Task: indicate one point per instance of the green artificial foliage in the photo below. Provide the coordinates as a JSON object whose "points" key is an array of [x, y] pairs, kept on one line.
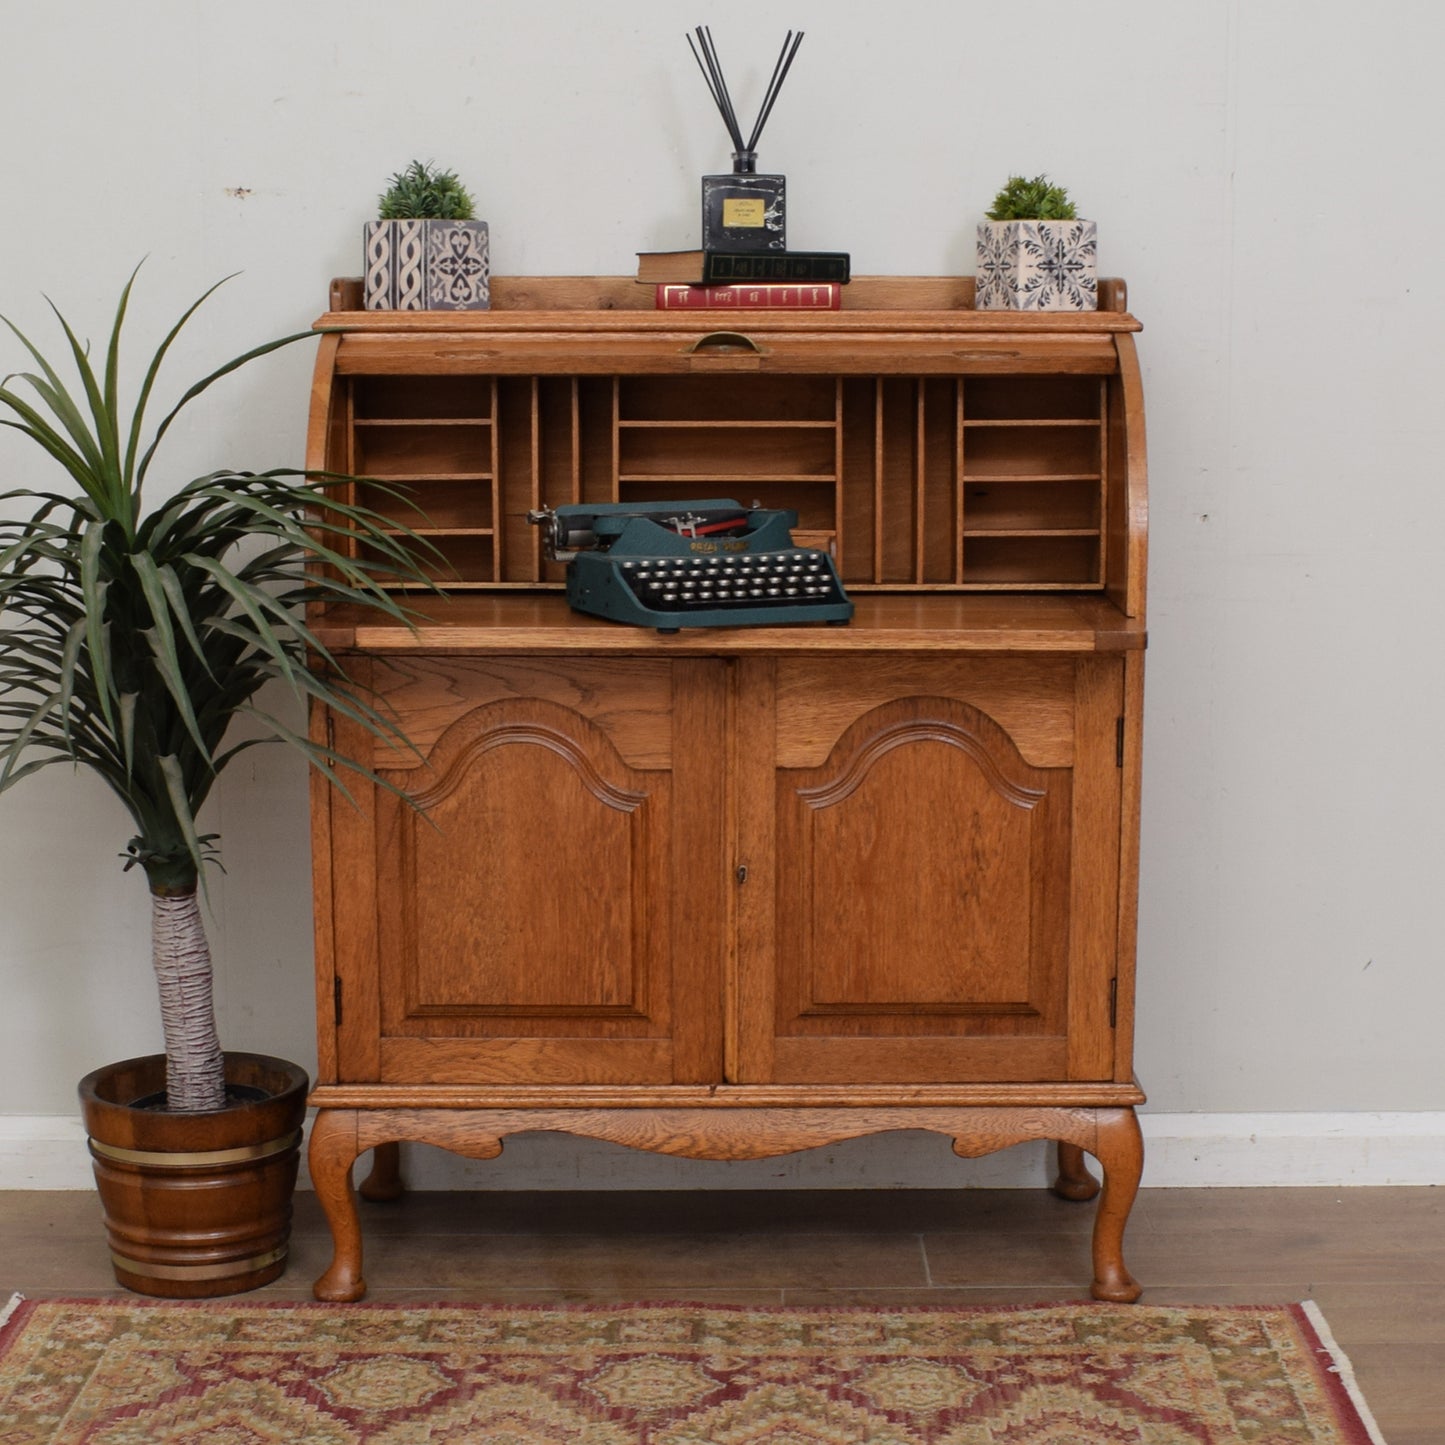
{"points": [[422, 191], [137, 630], [1032, 199], [135, 635]]}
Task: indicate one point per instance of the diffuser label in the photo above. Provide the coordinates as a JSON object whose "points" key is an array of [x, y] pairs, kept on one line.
{"points": [[744, 211]]}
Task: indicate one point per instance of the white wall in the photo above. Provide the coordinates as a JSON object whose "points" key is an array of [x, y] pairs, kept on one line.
{"points": [[1261, 174]]}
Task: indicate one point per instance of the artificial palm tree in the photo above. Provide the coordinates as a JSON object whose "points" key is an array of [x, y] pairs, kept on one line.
{"points": [[132, 636]]}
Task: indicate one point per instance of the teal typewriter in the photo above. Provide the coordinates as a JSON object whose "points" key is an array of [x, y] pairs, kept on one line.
{"points": [[671, 565]]}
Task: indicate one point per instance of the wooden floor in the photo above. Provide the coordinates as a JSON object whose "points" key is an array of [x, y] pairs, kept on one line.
{"points": [[1373, 1259]]}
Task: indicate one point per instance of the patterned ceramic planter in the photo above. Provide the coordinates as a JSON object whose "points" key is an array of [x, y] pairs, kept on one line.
{"points": [[427, 265], [1037, 266]]}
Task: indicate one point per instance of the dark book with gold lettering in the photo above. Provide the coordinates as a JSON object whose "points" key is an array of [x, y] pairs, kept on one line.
{"points": [[716, 268]]}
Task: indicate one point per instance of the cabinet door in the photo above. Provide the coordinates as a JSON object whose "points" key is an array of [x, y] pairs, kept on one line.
{"points": [[933, 854], [555, 912]]}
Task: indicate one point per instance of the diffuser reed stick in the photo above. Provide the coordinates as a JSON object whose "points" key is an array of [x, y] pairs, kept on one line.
{"points": [[708, 61], [780, 74]]}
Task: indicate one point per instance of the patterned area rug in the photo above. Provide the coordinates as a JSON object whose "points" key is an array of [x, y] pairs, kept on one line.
{"points": [[122, 1372]]}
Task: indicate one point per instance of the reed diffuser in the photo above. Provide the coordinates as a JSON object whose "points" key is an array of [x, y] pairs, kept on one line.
{"points": [[743, 211]]}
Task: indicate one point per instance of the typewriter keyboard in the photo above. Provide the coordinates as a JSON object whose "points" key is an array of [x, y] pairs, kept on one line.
{"points": [[733, 580]]}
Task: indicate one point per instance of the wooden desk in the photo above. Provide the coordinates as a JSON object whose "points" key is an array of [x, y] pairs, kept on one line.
{"points": [[732, 893]]}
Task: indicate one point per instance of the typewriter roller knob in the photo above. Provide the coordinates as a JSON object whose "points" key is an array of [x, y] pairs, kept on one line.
{"points": [[559, 541]]}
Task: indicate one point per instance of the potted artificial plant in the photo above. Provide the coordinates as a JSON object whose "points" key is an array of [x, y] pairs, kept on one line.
{"points": [[1034, 254], [426, 252], [136, 632]]}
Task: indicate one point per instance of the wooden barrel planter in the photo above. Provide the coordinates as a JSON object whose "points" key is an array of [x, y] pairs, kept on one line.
{"points": [[196, 1204]]}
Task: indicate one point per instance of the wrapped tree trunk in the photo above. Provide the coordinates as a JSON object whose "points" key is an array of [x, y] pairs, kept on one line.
{"points": [[195, 1077]]}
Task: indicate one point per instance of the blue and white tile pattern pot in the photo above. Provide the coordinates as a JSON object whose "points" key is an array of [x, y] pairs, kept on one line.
{"points": [[427, 265], [1037, 266]]}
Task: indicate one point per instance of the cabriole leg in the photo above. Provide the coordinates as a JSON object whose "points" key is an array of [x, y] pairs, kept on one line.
{"points": [[1074, 1180], [334, 1148], [384, 1183], [1119, 1148]]}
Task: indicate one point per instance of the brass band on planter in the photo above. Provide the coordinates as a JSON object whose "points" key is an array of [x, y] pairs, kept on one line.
{"points": [[166, 1160], [223, 1270]]}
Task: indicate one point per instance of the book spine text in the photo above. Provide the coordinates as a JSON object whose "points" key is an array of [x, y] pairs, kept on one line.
{"points": [[822, 296], [721, 267]]}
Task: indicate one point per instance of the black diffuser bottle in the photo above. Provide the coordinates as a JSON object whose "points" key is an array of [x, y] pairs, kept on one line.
{"points": [[743, 211]]}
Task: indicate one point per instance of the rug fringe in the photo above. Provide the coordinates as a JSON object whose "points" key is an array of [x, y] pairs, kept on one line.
{"points": [[1341, 1366], [16, 1300]]}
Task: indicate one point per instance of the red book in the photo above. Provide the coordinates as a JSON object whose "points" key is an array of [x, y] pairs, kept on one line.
{"points": [[757, 296]]}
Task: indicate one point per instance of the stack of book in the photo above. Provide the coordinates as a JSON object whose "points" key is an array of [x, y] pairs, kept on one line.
{"points": [[734, 280]]}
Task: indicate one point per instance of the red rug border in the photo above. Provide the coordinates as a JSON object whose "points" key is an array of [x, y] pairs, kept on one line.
{"points": [[1336, 1374], [241, 1301], [21, 1306]]}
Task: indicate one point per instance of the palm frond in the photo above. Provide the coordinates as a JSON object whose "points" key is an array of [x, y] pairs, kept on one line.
{"points": [[94, 587], [112, 365], [100, 438], [134, 638], [206, 382], [51, 389], [137, 421], [34, 425]]}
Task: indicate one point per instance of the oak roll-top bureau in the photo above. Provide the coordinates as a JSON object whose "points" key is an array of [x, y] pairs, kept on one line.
{"points": [[736, 892]]}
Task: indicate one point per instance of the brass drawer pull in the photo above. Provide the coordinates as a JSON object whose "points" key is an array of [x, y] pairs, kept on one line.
{"points": [[724, 341]]}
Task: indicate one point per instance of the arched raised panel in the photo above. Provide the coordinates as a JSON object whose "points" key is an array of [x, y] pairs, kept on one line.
{"points": [[533, 880], [454, 766], [911, 873]]}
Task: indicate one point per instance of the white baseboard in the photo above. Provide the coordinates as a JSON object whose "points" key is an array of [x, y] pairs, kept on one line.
{"points": [[43, 1151], [1181, 1151]]}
